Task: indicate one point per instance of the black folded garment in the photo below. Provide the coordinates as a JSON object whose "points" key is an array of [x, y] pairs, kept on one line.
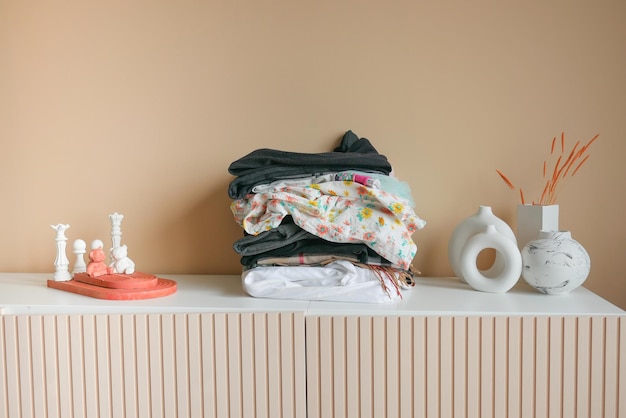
{"points": [[265, 165], [318, 246], [283, 235]]}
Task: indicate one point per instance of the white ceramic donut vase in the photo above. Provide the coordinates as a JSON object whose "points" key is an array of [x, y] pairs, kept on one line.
{"points": [[492, 281], [471, 226], [555, 263]]}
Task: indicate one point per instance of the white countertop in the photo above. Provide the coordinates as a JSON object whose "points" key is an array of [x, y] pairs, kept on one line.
{"points": [[28, 293]]}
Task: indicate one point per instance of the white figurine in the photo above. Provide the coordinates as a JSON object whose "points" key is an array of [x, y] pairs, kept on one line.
{"points": [[121, 263], [61, 263], [79, 248]]}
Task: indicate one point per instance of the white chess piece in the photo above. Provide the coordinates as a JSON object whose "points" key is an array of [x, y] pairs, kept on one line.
{"points": [[79, 248], [116, 230], [61, 263]]}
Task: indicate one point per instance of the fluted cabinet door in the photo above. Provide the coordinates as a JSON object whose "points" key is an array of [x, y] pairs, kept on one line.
{"points": [[153, 365], [466, 366]]}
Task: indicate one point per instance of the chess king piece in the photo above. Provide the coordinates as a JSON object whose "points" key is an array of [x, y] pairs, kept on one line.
{"points": [[116, 230], [61, 263], [121, 263], [79, 248], [96, 266]]}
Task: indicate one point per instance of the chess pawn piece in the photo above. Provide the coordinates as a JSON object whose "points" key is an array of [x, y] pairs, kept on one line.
{"points": [[122, 264], [79, 248], [61, 263], [96, 266]]}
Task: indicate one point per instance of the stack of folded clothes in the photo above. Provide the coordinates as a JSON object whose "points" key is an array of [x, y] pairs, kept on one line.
{"points": [[331, 226]]}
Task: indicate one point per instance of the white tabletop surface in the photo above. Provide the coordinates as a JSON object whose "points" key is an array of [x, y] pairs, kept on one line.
{"points": [[28, 293]]}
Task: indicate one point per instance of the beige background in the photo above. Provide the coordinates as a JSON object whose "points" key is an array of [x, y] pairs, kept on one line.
{"points": [[140, 106]]}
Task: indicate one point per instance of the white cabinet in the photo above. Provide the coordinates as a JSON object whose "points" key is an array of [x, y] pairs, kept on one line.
{"points": [[448, 351], [206, 351], [209, 350]]}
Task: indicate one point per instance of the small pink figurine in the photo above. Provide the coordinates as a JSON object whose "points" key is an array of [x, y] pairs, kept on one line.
{"points": [[97, 266]]}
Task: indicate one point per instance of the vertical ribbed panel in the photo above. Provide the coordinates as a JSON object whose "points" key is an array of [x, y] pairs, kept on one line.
{"points": [[253, 365], [185, 365], [466, 366]]}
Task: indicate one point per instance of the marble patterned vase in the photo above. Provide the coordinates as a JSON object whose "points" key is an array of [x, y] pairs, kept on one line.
{"points": [[555, 263]]}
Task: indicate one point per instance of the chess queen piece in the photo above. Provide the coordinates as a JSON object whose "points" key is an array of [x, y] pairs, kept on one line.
{"points": [[79, 248], [61, 263]]}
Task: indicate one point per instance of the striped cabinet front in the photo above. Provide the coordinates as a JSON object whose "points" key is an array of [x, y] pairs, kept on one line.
{"points": [[449, 366], [153, 365]]}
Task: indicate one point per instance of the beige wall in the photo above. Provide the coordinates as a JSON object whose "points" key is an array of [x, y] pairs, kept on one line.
{"points": [[139, 107]]}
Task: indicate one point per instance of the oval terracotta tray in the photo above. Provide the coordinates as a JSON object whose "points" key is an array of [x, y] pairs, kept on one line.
{"points": [[114, 287], [137, 280]]}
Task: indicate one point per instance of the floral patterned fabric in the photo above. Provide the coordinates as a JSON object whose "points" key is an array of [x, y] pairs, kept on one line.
{"points": [[338, 211]]}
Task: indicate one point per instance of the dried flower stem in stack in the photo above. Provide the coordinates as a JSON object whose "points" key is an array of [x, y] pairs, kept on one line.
{"points": [[575, 158]]}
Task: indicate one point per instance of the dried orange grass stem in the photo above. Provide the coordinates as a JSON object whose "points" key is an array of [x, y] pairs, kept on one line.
{"points": [[506, 180], [580, 165], [575, 158]]}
